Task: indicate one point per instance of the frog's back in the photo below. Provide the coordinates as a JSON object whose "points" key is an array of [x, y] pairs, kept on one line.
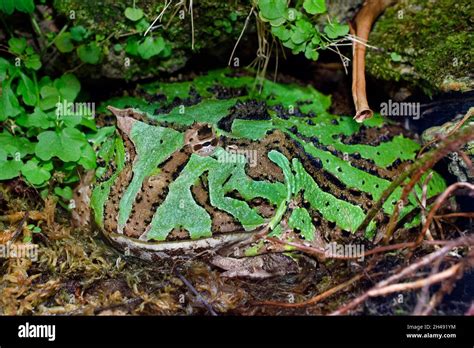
{"points": [[207, 160]]}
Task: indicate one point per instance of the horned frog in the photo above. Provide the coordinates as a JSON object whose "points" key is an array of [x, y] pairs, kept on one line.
{"points": [[211, 166]]}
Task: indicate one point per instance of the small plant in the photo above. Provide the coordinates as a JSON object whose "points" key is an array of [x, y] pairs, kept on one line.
{"points": [[295, 26], [45, 137]]}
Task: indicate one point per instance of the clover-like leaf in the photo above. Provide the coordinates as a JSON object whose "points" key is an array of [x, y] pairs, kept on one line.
{"points": [[134, 14], [90, 53], [272, 9], [37, 119], [34, 173], [33, 62], [10, 169], [7, 6], [311, 53], [314, 6], [68, 86], [17, 45], [151, 47], [335, 30], [281, 32], [65, 193], [26, 6], [78, 33], [49, 97], [66, 145], [395, 57], [64, 42]]}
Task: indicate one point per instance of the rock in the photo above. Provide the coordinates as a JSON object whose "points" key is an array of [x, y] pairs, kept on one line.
{"points": [[217, 25], [456, 163], [425, 43]]}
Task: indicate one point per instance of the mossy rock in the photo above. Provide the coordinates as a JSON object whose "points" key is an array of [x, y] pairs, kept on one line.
{"points": [[215, 23], [425, 43]]}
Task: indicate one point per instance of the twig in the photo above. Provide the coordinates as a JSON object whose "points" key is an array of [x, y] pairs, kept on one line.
{"points": [[361, 28], [436, 278], [317, 298], [241, 34], [196, 293], [438, 203], [425, 162], [426, 260]]}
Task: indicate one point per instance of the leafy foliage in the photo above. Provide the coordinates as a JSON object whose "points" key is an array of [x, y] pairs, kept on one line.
{"points": [[43, 138], [9, 6], [294, 26]]}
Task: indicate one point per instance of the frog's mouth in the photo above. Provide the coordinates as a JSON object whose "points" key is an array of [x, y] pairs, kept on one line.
{"points": [[148, 250]]}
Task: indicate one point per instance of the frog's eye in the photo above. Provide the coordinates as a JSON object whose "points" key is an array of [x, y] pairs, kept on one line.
{"points": [[202, 139], [205, 132]]}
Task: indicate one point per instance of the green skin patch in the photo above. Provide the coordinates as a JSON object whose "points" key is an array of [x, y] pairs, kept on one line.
{"points": [[155, 144]]}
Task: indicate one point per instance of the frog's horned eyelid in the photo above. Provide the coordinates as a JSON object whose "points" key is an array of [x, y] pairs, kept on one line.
{"points": [[125, 124], [118, 112]]}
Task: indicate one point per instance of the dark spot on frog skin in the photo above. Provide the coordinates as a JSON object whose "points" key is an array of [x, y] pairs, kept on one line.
{"points": [[244, 110], [222, 92]]}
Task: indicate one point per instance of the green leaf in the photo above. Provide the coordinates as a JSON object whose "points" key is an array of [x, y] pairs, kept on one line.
{"points": [[65, 145], [49, 97], [33, 62], [134, 14], [27, 6], [7, 6], [272, 9], [64, 42], [27, 89], [395, 57], [8, 101], [88, 158], [90, 53], [78, 33], [14, 145], [335, 30], [311, 53], [68, 86], [17, 45], [281, 32], [38, 119], [34, 173], [142, 25], [151, 47], [10, 169], [4, 67], [132, 46], [65, 193], [314, 6]]}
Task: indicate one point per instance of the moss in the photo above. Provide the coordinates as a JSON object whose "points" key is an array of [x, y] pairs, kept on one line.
{"points": [[434, 40], [215, 23]]}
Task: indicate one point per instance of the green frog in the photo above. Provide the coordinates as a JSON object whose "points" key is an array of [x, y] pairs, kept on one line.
{"points": [[219, 166]]}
